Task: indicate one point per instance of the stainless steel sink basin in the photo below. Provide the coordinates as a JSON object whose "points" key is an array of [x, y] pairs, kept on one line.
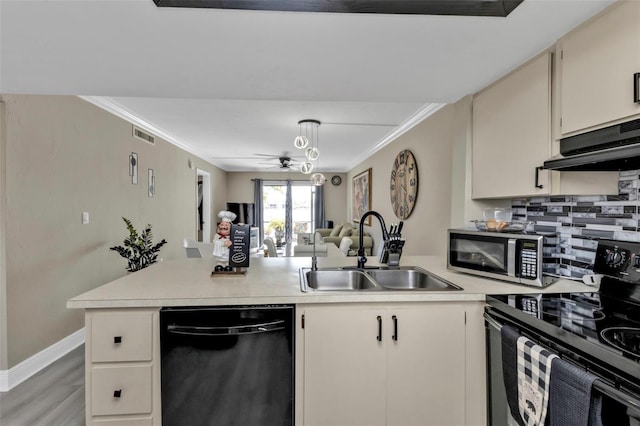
{"points": [[336, 280], [376, 279], [410, 279]]}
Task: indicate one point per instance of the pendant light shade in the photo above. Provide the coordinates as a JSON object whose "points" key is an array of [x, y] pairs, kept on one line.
{"points": [[301, 142], [306, 167], [318, 179], [312, 153]]}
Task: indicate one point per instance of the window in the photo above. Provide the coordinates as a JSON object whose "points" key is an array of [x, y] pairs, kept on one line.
{"points": [[275, 209]]}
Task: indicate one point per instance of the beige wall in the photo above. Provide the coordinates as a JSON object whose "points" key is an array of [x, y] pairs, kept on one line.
{"points": [[431, 144], [441, 145], [65, 156], [240, 190]]}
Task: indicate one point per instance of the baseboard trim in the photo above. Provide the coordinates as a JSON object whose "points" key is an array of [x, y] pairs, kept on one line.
{"points": [[14, 376]]}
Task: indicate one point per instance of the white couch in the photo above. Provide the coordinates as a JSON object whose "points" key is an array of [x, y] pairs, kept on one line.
{"points": [[322, 250]]}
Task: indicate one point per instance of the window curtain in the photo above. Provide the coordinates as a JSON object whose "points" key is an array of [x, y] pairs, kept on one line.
{"points": [[258, 210], [318, 210], [288, 225]]}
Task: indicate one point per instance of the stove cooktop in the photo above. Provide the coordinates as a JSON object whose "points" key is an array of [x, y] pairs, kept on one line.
{"points": [[589, 316]]}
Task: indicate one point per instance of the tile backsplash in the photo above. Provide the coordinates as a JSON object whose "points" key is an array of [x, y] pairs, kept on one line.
{"points": [[580, 221]]}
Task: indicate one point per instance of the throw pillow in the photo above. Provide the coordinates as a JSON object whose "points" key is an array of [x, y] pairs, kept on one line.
{"points": [[335, 231], [345, 232]]}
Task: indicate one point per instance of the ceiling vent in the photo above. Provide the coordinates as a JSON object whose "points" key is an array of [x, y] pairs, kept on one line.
{"points": [[138, 133]]}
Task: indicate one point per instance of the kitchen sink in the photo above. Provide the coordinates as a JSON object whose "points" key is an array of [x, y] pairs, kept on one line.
{"points": [[410, 279], [336, 280], [372, 279]]}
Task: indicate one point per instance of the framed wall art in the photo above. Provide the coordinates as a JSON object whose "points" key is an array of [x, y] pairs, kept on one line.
{"points": [[151, 183], [133, 167], [361, 192]]}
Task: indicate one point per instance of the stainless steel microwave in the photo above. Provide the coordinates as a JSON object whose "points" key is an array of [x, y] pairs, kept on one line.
{"points": [[516, 258]]}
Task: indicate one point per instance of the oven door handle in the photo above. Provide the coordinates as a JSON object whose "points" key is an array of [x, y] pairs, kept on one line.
{"points": [[492, 322], [616, 394]]}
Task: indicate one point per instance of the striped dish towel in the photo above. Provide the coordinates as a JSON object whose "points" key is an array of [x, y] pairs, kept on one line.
{"points": [[534, 369]]}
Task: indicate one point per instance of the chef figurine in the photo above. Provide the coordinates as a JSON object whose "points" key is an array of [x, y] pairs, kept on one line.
{"points": [[222, 240]]}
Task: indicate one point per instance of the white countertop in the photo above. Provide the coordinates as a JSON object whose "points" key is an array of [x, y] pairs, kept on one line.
{"points": [[188, 282]]}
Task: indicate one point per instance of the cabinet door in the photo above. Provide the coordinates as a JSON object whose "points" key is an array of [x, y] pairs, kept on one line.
{"points": [[512, 133], [598, 62], [344, 366], [426, 365]]}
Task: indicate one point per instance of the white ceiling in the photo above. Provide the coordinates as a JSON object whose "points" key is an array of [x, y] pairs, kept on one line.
{"points": [[229, 84]]}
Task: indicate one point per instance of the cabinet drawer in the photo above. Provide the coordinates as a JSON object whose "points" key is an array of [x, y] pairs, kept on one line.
{"points": [[121, 390], [121, 337]]}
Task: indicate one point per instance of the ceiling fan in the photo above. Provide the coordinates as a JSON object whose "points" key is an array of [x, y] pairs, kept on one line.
{"points": [[284, 163]]}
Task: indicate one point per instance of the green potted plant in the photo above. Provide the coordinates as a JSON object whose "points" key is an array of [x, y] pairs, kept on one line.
{"points": [[277, 226], [138, 249]]}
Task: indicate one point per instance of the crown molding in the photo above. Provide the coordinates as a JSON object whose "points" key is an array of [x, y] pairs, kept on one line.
{"points": [[113, 107]]}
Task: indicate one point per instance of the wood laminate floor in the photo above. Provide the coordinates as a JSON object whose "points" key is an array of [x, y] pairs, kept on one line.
{"points": [[52, 397]]}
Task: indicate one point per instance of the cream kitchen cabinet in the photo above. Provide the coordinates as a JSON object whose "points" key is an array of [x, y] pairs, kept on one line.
{"points": [[512, 139], [122, 353], [377, 364], [598, 61], [512, 133]]}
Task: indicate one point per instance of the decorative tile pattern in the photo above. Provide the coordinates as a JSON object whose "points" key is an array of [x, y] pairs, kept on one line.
{"points": [[580, 221]]}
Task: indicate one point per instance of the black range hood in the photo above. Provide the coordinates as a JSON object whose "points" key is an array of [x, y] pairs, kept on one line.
{"points": [[612, 148]]}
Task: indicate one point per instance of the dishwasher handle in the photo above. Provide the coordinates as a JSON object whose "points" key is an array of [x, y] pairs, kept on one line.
{"points": [[232, 330]]}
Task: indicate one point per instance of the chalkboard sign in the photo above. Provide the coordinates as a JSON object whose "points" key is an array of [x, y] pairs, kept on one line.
{"points": [[240, 242]]}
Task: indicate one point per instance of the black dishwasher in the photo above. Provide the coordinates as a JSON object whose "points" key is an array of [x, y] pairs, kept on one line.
{"points": [[227, 365]]}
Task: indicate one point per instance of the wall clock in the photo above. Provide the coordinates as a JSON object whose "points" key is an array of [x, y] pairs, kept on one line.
{"points": [[403, 186], [336, 180]]}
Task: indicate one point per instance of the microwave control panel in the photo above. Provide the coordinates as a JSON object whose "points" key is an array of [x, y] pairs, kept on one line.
{"points": [[528, 259]]}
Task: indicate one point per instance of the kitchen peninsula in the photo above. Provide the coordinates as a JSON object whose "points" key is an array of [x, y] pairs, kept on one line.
{"points": [[438, 342]]}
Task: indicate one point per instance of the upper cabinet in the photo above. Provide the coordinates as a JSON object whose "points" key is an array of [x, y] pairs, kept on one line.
{"points": [[598, 65], [512, 133]]}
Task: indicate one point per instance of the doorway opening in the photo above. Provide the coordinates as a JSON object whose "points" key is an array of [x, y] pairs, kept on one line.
{"points": [[203, 206]]}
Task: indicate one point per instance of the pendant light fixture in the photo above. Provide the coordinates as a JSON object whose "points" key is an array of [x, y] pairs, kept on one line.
{"points": [[307, 139]]}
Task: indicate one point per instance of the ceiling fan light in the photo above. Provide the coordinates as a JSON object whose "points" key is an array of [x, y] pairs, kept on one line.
{"points": [[318, 179], [306, 167], [312, 153], [301, 142]]}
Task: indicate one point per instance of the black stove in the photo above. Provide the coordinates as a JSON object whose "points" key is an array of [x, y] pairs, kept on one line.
{"points": [[599, 329]]}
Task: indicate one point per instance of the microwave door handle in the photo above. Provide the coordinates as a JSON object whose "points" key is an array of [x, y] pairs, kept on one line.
{"points": [[511, 258]]}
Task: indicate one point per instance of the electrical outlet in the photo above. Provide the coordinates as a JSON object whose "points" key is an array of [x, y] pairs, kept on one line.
{"points": [[85, 218]]}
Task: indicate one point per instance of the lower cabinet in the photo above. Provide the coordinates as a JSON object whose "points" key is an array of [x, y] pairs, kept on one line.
{"points": [[385, 364], [122, 367], [418, 363]]}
